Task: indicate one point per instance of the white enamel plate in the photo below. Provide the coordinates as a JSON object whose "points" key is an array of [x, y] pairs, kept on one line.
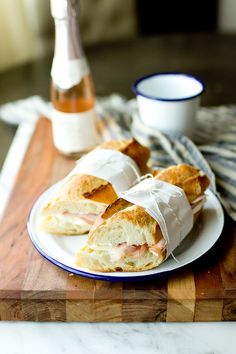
{"points": [[60, 250]]}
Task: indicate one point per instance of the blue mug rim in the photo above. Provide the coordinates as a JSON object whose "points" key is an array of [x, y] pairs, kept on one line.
{"points": [[142, 78]]}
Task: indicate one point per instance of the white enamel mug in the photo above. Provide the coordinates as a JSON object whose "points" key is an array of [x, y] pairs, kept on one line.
{"points": [[169, 101]]}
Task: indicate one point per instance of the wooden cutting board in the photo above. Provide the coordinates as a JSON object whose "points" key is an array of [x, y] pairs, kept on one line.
{"points": [[33, 289]]}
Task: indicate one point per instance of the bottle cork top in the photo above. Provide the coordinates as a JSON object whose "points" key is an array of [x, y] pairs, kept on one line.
{"points": [[64, 8]]}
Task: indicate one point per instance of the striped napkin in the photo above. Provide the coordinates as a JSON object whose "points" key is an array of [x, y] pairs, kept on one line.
{"points": [[214, 150]]}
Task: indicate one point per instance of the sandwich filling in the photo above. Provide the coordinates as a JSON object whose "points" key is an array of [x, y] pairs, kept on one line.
{"points": [[82, 218], [73, 220], [123, 249]]}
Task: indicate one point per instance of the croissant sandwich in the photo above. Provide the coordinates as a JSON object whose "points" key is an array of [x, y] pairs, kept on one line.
{"points": [[84, 195], [127, 238]]}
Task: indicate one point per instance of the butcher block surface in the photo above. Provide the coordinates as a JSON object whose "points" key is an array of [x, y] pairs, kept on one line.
{"points": [[33, 289]]}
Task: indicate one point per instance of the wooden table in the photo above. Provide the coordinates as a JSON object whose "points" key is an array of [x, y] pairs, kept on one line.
{"points": [[33, 289]]}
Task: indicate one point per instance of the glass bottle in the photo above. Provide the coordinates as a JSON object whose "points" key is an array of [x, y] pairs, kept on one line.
{"points": [[72, 89]]}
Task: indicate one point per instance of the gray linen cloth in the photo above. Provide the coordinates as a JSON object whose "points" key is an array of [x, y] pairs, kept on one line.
{"points": [[214, 150]]}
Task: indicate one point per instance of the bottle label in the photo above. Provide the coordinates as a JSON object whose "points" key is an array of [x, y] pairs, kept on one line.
{"points": [[74, 132], [68, 73]]}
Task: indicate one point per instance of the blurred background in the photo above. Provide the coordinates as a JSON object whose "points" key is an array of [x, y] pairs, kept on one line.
{"points": [[27, 29]]}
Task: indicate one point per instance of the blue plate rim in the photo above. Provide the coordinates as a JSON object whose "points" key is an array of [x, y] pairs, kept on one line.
{"points": [[105, 277], [85, 274]]}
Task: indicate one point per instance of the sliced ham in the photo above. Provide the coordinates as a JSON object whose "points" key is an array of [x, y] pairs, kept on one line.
{"points": [[136, 251], [198, 203], [117, 253], [198, 199], [158, 248], [133, 251], [88, 218]]}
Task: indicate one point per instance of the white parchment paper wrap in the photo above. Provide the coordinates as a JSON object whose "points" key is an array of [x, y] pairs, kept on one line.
{"points": [[167, 204], [111, 165]]}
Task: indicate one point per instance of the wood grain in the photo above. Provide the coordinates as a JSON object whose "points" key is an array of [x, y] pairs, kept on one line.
{"points": [[181, 296], [33, 289]]}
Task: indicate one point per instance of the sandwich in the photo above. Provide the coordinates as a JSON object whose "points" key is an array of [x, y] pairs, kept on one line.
{"points": [[127, 238], [84, 194]]}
